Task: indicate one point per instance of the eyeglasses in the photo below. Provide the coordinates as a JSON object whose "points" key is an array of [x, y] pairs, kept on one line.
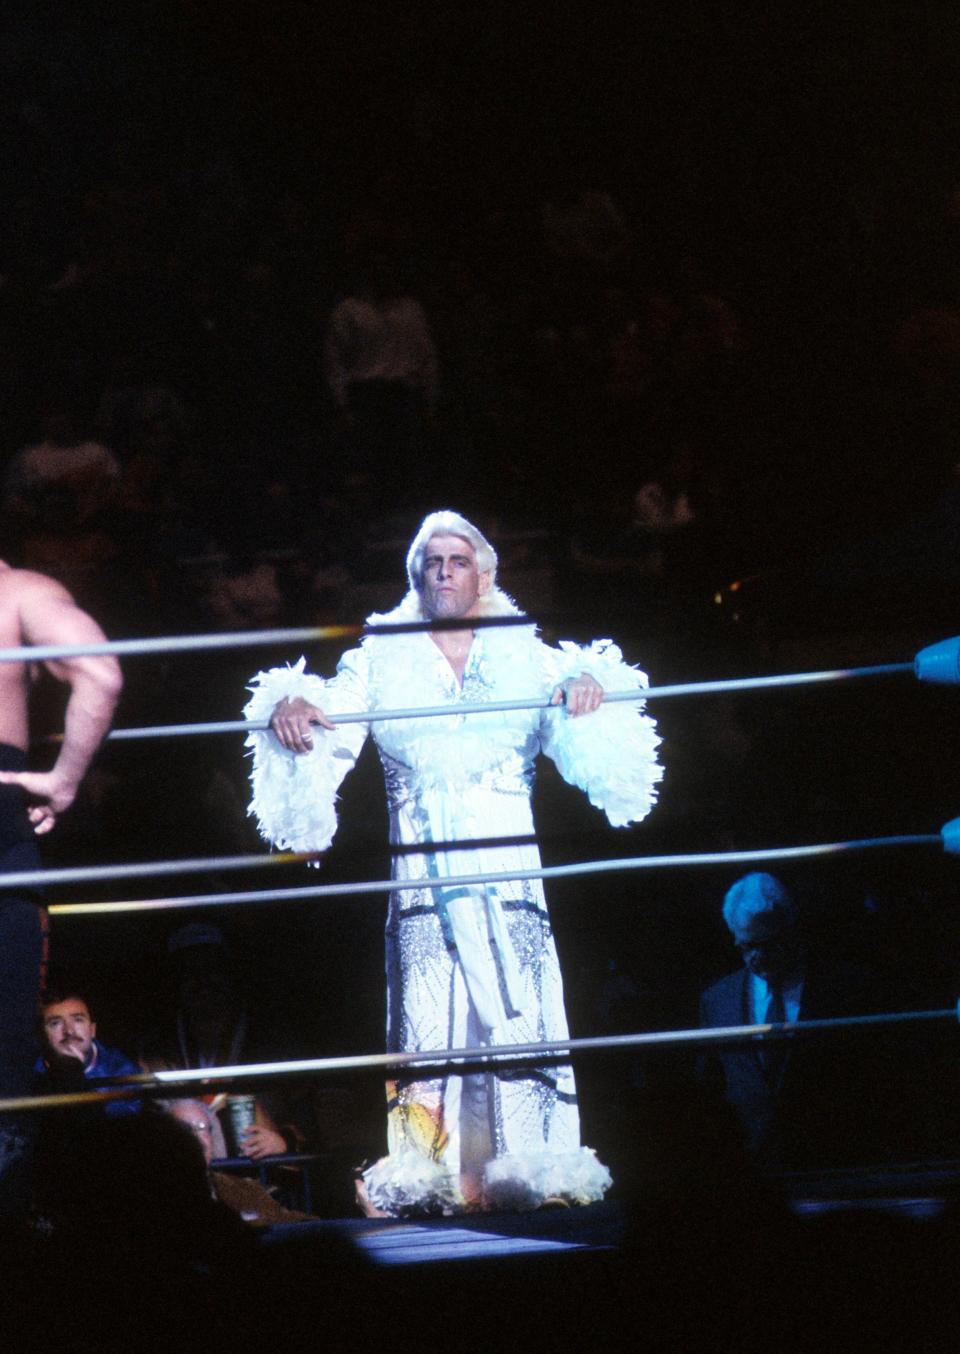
{"points": [[765, 946]]}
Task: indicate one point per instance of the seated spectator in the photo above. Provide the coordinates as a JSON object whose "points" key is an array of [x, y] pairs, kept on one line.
{"points": [[139, 413], [245, 594], [800, 1103], [586, 224], [154, 1260], [646, 550], [56, 499], [381, 371], [63, 462], [209, 1025], [126, 1210], [245, 1196], [72, 1054]]}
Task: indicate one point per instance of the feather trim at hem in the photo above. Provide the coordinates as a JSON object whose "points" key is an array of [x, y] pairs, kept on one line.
{"points": [[526, 1180], [408, 1183]]}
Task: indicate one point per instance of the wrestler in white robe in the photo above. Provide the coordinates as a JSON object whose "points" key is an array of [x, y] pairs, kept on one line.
{"points": [[466, 965]]}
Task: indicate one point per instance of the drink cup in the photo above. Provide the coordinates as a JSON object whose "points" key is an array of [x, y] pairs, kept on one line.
{"points": [[241, 1115]]}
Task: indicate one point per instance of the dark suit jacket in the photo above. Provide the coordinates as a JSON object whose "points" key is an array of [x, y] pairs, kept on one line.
{"points": [[808, 1103]]}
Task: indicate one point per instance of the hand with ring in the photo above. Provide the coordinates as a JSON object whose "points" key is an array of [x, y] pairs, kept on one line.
{"points": [[292, 722], [581, 695]]}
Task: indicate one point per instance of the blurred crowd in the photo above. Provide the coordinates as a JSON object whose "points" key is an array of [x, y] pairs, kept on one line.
{"points": [[230, 398], [232, 405]]}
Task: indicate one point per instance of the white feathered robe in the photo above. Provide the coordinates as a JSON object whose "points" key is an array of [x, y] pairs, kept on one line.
{"points": [[466, 965]]}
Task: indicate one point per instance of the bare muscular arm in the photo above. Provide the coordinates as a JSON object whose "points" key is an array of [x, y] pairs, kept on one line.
{"points": [[49, 615]]}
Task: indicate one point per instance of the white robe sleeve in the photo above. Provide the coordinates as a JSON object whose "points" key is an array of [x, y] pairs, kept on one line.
{"points": [[610, 754], [295, 795]]}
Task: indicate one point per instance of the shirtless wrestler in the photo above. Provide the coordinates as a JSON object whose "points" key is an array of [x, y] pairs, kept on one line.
{"points": [[36, 610]]}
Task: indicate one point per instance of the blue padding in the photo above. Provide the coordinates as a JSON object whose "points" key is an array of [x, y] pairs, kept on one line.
{"points": [[950, 832], [939, 662]]}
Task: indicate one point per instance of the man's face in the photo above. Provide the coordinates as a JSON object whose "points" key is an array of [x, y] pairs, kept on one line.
{"points": [[452, 585], [769, 945], [197, 1120], [68, 1030]]}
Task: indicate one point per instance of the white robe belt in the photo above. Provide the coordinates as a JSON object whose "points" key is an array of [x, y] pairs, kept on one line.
{"points": [[475, 918]]}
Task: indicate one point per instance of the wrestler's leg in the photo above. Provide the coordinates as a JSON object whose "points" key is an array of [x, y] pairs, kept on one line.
{"points": [[22, 956]]}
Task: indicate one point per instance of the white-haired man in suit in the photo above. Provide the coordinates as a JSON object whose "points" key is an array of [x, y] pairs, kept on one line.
{"points": [[794, 1100]]}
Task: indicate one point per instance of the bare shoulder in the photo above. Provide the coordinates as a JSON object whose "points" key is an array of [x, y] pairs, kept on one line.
{"points": [[41, 610], [26, 588], [20, 588]]}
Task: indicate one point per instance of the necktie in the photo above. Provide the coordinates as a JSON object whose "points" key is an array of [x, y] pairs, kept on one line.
{"points": [[772, 1050]]}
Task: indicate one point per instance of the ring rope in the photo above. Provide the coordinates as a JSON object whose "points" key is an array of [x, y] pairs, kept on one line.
{"points": [[621, 864], [466, 1059], [526, 703], [939, 662], [35, 653]]}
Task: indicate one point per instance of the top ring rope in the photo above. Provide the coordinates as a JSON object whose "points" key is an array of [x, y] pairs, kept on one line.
{"points": [[35, 653], [938, 662]]}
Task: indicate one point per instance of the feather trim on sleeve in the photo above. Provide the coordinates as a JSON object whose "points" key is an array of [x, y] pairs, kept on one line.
{"points": [[610, 754], [294, 796]]}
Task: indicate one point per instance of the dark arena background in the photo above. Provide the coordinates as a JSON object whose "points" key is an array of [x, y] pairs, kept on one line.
{"points": [[691, 276]]}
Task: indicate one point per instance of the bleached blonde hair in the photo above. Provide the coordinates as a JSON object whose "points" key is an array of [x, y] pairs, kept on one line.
{"points": [[446, 522]]}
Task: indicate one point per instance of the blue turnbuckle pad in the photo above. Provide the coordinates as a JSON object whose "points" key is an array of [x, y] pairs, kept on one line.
{"points": [[939, 662], [950, 832]]}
